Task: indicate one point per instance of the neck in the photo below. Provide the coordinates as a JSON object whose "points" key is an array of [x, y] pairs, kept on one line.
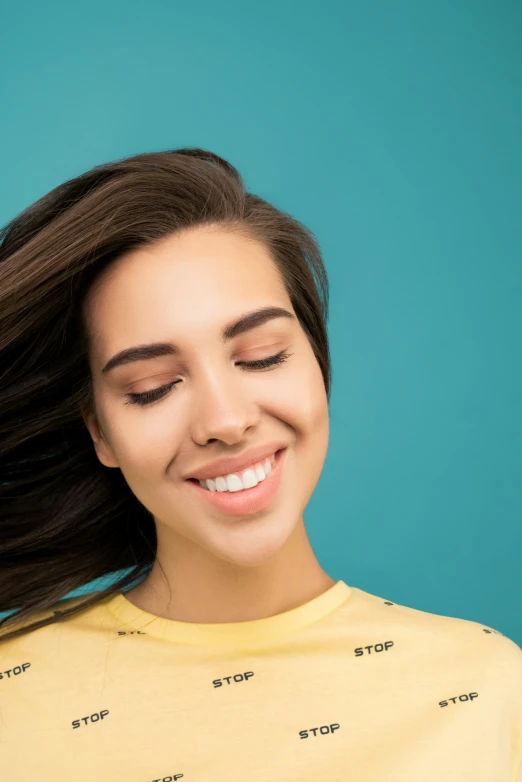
{"points": [[189, 584]]}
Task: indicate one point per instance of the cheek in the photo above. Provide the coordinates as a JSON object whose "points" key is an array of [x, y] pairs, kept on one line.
{"points": [[144, 445], [159, 443], [307, 395], [311, 424]]}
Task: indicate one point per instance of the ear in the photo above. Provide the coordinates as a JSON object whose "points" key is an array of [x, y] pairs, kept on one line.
{"points": [[102, 448]]}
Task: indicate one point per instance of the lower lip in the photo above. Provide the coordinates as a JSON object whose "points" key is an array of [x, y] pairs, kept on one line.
{"points": [[246, 501]]}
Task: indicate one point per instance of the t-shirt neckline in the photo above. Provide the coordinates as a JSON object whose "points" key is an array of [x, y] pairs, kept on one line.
{"points": [[228, 633]]}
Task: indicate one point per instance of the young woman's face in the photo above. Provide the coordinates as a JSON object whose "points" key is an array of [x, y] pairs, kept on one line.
{"points": [[185, 290]]}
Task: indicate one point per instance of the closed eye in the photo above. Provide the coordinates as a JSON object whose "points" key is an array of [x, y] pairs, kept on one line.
{"points": [[157, 393]]}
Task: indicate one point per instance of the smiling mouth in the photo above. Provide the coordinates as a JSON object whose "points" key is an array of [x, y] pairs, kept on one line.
{"points": [[248, 502], [272, 458]]}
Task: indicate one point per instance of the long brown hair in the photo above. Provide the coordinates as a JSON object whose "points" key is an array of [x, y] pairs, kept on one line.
{"points": [[65, 519]]}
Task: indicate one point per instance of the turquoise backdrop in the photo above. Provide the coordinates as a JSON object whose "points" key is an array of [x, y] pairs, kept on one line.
{"points": [[393, 129]]}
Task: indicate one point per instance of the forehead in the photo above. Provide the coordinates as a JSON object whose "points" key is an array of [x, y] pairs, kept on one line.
{"points": [[194, 262], [187, 283]]}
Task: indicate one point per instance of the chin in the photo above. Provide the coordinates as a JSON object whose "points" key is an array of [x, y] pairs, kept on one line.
{"points": [[248, 547]]}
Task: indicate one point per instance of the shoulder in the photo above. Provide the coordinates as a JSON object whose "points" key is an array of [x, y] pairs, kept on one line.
{"points": [[39, 636], [452, 638]]}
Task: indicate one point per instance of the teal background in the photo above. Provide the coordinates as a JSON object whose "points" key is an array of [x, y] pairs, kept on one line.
{"points": [[393, 130]]}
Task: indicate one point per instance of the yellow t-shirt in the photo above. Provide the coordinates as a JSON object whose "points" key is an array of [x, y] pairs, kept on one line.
{"points": [[348, 686]]}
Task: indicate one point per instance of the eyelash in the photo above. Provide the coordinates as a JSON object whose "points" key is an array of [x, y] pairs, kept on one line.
{"points": [[157, 393]]}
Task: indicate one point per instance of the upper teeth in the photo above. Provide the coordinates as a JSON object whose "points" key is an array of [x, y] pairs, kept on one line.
{"points": [[235, 481]]}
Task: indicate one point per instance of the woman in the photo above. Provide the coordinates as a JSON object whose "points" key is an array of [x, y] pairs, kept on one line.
{"points": [[164, 412]]}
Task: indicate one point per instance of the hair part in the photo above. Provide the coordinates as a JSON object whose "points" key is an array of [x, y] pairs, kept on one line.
{"points": [[66, 519]]}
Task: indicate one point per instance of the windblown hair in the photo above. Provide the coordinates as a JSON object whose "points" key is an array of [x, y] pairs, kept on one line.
{"points": [[66, 519]]}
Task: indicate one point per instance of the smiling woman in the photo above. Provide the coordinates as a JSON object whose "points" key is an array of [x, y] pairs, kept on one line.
{"points": [[166, 317], [164, 411], [213, 398]]}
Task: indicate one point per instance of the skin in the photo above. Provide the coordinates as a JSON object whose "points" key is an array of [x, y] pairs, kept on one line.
{"points": [[185, 289]]}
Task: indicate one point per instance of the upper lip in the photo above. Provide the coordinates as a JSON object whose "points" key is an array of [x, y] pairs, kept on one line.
{"points": [[236, 463]]}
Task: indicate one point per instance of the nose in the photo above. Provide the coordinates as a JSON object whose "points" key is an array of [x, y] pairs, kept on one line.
{"points": [[222, 410]]}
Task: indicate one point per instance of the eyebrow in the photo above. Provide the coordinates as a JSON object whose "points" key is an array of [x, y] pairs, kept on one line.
{"points": [[246, 322]]}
